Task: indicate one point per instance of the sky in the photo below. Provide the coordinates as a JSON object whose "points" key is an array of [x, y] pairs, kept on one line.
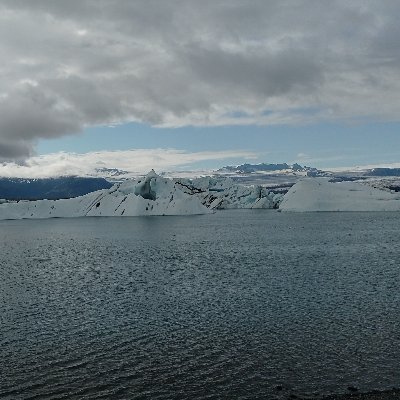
{"points": [[184, 84]]}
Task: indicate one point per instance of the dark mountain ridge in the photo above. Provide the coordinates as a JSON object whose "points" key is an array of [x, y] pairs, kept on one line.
{"points": [[49, 188]]}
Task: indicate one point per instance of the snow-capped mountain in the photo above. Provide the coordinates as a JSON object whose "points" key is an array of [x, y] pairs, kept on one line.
{"points": [[384, 172], [264, 168], [111, 173]]}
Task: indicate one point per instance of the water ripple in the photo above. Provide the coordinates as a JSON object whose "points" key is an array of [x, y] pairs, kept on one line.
{"points": [[226, 306]]}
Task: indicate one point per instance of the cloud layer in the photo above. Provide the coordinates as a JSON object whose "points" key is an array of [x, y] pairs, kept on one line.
{"points": [[71, 64], [134, 162]]}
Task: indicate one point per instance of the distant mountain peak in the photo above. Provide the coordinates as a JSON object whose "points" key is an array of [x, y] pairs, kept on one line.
{"points": [[111, 172], [270, 168]]}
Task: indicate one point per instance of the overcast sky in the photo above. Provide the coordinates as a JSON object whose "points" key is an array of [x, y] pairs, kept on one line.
{"points": [[240, 71]]}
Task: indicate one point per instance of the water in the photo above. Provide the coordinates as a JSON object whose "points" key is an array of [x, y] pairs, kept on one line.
{"points": [[223, 306]]}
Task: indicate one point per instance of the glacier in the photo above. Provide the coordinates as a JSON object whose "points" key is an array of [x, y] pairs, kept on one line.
{"points": [[150, 195], [223, 193], [319, 194], [157, 195]]}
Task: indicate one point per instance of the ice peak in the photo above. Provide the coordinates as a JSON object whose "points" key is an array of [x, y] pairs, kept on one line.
{"points": [[151, 174]]}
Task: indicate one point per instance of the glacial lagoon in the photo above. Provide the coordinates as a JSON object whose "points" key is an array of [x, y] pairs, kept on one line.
{"points": [[243, 304]]}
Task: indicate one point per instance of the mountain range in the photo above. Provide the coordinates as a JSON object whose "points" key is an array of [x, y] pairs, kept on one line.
{"points": [[49, 188], [280, 176]]}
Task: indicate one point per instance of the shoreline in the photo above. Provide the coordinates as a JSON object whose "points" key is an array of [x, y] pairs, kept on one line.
{"points": [[392, 394]]}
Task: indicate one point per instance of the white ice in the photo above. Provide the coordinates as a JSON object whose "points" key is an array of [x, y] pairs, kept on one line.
{"points": [[152, 195], [318, 194]]}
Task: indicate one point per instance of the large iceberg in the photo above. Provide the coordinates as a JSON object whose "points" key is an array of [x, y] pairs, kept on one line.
{"points": [[223, 193], [151, 195], [319, 194]]}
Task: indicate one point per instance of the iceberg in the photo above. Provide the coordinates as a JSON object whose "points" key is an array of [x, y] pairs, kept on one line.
{"points": [[151, 195], [223, 193], [319, 194]]}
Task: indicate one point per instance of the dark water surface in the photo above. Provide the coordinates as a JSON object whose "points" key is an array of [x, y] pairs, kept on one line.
{"points": [[224, 306]]}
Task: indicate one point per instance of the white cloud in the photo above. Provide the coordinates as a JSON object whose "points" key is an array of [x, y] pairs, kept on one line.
{"points": [[303, 156], [81, 32], [138, 161], [307, 159], [71, 64]]}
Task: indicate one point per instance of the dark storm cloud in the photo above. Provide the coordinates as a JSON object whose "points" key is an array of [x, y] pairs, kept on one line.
{"points": [[32, 113], [252, 72], [14, 150], [71, 64]]}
